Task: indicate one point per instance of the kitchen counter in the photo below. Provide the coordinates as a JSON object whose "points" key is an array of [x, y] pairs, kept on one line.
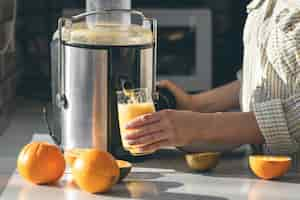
{"points": [[165, 176]]}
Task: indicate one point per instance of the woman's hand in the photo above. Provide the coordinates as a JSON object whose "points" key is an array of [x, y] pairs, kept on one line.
{"points": [[164, 128], [183, 99], [217, 100], [182, 128]]}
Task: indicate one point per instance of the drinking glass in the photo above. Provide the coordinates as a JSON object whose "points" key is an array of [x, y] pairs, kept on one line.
{"points": [[132, 104]]}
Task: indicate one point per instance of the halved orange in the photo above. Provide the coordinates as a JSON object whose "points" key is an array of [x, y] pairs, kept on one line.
{"points": [[269, 167], [202, 161], [72, 154], [125, 169]]}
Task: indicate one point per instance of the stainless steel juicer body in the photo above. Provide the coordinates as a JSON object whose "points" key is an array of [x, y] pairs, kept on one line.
{"points": [[85, 78]]}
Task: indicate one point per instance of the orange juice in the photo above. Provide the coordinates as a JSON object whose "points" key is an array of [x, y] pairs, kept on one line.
{"points": [[128, 112]]}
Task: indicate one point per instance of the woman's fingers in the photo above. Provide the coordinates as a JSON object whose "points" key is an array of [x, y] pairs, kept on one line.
{"points": [[182, 98], [149, 129], [149, 139], [143, 121], [154, 146], [144, 131], [169, 85]]}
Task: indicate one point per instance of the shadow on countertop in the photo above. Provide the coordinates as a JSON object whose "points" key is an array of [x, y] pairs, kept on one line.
{"points": [[149, 190], [289, 178], [165, 160], [144, 190], [145, 175]]}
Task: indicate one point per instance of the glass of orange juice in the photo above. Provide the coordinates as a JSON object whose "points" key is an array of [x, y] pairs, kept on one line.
{"points": [[132, 104]]}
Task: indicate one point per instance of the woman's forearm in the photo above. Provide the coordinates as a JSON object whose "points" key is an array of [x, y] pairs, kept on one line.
{"points": [[228, 128], [217, 100]]}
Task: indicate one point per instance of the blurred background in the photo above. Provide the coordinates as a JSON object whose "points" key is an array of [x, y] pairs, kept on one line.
{"points": [[25, 63]]}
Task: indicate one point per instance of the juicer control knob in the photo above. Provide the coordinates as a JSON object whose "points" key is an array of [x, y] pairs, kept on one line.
{"points": [[165, 100], [61, 101]]}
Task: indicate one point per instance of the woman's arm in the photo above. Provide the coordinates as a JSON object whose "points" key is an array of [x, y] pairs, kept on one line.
{"points": [[217, 100], [229, 128], [182, 128]]}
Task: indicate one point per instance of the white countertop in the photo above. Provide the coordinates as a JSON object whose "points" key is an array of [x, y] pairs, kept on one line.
{"points": [[166, 176]]}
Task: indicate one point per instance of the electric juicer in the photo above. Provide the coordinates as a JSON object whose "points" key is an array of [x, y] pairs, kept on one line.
{"points": [[108, 48]]}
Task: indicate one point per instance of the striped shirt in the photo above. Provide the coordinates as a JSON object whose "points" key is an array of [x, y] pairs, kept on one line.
{"points": [[271, 73]]}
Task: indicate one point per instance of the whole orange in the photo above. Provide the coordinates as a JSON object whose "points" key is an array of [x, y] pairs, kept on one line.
{"points": [[41, 163], [269, 167], [95, 171]]}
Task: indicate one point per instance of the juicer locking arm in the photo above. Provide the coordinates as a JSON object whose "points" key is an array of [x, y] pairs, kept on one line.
{"points": [[61, 99], [155, 94]]}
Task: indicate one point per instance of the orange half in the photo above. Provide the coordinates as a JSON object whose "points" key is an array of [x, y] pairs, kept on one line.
{"points": [[269, 167], [72, 154], [125, 169]]}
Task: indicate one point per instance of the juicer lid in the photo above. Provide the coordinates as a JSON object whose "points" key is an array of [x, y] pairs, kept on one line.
{"points": [[95, 31]]}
